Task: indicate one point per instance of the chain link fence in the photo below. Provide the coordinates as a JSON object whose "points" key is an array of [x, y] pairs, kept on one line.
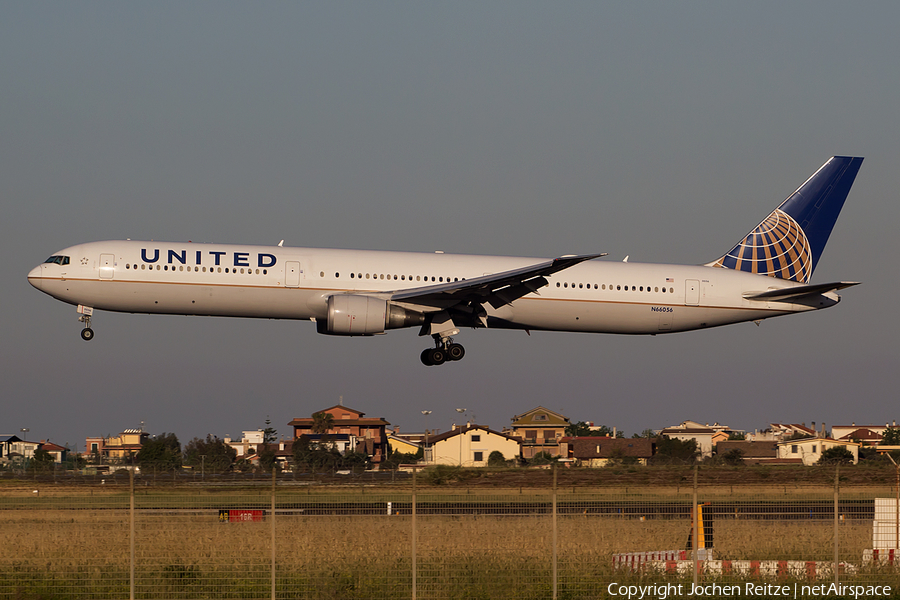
{"points": [[128, 538]]}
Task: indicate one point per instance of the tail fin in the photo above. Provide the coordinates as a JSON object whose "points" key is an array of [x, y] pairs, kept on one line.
{"points": [[789, 242]]}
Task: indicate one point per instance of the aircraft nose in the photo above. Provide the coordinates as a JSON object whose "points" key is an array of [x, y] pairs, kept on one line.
{"points": [[35, 277]]}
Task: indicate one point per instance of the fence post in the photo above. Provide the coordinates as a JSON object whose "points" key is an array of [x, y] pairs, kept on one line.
{"points": [[837, 470], [413, 534], [695, 517], [131, 534], [555, 553], [272, 520]]}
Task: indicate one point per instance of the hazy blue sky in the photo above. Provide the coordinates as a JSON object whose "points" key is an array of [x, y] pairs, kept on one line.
{"points": [[660, 130]]}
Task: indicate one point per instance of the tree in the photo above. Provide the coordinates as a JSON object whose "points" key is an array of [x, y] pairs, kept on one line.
{"points": [[543, 458], [836, 455], [218, 455], [734, 457], [890, 437], [322, 422], [647, 433], [314, 457], [41, 460], [675, 451], [160, 453], [737, 435], [496, 459], [267, 460], [579, 429], [270, 435]]}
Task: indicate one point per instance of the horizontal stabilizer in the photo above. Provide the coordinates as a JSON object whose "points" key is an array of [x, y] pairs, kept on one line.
{"points": [[791, 293]]}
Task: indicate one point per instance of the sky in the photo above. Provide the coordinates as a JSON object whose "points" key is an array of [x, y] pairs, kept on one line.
{"points": [[664, 131]]}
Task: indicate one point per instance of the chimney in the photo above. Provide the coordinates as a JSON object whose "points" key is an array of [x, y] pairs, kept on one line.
{"points": [[823, 428], [614, 431]]}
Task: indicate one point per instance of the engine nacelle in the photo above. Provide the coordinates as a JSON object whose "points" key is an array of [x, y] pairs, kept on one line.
{"points": [[365, 315]]}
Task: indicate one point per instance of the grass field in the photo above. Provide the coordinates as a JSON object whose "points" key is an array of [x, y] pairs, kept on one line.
{"points": [[75, 543]]}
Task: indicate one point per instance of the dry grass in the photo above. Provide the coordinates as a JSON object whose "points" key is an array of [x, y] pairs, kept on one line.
{"points": [[84, 553]]}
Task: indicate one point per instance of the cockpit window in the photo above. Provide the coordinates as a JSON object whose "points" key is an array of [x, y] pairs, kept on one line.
{"points": [[60, 260]]}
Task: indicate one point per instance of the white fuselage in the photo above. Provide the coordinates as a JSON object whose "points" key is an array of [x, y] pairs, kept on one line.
{"points": [[294, 283]]}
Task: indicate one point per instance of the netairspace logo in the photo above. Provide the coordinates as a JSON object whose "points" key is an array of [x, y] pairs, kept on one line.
{"points": [[663, 591]]}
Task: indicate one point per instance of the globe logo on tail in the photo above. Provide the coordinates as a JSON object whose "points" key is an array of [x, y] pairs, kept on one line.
{"points": [[778, 247]]}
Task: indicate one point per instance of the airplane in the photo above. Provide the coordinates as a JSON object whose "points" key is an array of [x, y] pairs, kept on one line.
{"points": [[363, 293]]}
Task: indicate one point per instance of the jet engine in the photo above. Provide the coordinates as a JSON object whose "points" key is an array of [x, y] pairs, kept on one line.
{"points": [[365, 315]]}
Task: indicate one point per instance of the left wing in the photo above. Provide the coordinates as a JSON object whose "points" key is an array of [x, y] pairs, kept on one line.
{"points": [[789, 294], [497, 289]]}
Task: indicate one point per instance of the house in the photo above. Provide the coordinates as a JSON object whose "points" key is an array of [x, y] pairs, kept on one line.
{"points": [[810, 449], [841, 431], [753, 453], [7, 445], [471, 446], [863, 435], [119, 448], [706, 436], [540, 430], [368, 435], [12, 447], [598, 451], [402, 445], [249, 443], [55, 450]]}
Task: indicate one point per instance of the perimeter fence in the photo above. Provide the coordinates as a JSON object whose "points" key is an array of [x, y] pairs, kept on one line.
{"points": [[284, 539]]}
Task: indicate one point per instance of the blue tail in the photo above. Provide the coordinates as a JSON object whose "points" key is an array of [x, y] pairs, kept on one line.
{"points": [[789, 242]]}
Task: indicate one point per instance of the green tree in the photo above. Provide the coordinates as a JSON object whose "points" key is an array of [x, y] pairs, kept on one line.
{"points": [[314, 457], [836, 455], [270, 435], [734, 457], [675, 451], [160, 453], [322, 422], [647, 433], [267, 460], [41, 461], [579, 429], [890, 437], [496, 459], [737, 435], [219, 455], [543, 458]]}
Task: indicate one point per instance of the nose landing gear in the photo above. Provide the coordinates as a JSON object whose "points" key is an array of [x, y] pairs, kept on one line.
{"points": [[445, 350], [87, 334]]}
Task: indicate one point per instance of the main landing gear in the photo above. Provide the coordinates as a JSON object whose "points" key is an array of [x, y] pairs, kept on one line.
{"points": [[87, 334], [444, 349]]}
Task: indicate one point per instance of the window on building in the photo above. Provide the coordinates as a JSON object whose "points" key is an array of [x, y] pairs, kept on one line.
{"points": [[794, 449], [476, 437], [478, 456]]}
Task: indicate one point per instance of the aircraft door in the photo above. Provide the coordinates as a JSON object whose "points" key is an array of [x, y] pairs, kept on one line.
{"points": [[107, 266], [292, 273], [691, 292]]}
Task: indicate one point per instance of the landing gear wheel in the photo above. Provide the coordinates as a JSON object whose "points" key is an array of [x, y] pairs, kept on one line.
{"points": [[437, 356], [455, 352], [426, 357], [87, 334]]}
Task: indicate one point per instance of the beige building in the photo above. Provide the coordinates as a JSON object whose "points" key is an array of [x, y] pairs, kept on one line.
{"points": [[810, 450], [471, 446], [540, 430], [706, 436], [117, 448]]}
